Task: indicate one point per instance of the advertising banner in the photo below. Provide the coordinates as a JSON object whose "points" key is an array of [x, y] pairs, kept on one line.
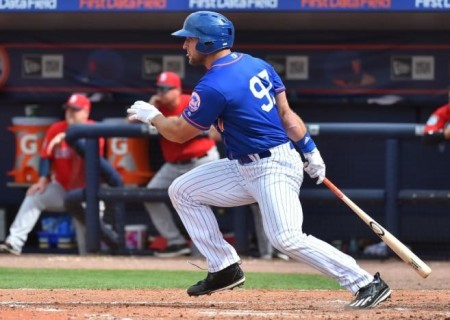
{"points": [[222, 5], [421, 69]]}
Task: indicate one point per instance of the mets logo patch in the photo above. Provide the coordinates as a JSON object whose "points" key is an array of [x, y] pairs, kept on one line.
{"points": [[194, 103]]}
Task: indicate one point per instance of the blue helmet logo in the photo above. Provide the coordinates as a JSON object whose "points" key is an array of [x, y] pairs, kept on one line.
{"points": [[214, 31]]}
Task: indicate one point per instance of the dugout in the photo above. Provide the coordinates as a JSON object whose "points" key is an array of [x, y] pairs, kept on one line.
{"points": [[386, 43]]}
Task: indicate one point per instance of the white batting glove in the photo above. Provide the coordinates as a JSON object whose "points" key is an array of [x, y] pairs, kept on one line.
{"points": [[142, 111], [314, 165]]}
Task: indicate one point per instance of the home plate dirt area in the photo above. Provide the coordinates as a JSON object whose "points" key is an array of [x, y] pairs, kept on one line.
{"points": [[412, 297]]}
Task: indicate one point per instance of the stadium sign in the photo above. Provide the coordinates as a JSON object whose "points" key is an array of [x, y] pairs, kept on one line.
{"points": [[223, 5]]}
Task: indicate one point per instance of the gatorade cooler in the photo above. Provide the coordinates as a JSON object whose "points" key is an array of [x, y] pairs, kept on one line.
{"points": [[129, 156], [30, 133]]}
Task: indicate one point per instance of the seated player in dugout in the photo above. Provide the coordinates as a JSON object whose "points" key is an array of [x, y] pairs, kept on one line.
{"points": [[179, 158], [437, 128], [61, 169], [347, 70]]}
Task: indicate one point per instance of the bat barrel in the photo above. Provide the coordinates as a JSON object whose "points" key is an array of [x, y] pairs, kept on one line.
{"points": [[398, 247]]}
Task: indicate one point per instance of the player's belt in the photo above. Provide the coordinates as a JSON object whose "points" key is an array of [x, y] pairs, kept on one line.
{"points": [[248, 158]]}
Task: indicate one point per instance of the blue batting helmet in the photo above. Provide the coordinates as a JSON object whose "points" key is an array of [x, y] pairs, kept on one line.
{"points": [[214, 31]]}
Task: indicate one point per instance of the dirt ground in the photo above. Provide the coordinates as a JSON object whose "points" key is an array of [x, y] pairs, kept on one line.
{"points": [[412, 297]]}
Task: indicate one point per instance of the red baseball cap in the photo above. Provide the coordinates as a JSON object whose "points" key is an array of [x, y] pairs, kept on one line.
{"points": [[168, 79], [78, 101]]}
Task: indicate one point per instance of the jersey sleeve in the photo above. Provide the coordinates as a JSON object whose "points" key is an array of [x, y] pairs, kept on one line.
{"points": [[205, 106], [278, 84], [49, 135]]}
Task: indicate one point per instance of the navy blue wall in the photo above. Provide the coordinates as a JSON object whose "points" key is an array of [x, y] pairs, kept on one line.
{"points": [[351, 163]]}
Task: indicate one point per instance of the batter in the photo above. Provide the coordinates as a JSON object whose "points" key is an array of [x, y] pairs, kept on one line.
{"points": [[245, 99]]}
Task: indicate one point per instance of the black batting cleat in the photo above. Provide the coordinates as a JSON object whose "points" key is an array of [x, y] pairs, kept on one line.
{"points": [[6, 247], [174, 250], [228, 278], [371, 295]]}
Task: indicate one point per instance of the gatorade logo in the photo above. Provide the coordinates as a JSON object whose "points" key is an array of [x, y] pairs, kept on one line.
{"points": [[29, 144], [119, 146]]}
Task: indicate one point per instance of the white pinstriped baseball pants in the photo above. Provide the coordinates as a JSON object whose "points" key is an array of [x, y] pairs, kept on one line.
{"points": [[274, 183]]}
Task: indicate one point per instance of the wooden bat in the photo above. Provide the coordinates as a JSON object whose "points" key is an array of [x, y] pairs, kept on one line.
{"points": [[398, 247]]}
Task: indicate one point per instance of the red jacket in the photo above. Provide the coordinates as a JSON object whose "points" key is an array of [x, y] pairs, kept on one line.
{"points": [[67, 167]]}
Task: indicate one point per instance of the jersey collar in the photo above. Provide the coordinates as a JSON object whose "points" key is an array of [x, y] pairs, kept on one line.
{"points": [[228, 59]]}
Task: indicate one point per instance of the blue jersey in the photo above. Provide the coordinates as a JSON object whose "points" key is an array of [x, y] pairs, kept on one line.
{"points": [[237, 96]]}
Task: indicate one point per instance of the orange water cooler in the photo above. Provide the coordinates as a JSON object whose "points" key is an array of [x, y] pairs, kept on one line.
{"points": [[30, 133], [129, 156]]}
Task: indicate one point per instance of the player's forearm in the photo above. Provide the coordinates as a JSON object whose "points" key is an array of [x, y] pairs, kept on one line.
{"points": [[44, 168], [294, 126], [292, 123], [297, 132], [171, 128]]}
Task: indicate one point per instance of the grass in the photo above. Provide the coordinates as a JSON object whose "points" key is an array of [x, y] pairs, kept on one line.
{"points": [[148, 279]]}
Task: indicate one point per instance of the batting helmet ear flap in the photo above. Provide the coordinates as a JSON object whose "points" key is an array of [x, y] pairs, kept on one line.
{"points": [[206, 46], [214, 31]]}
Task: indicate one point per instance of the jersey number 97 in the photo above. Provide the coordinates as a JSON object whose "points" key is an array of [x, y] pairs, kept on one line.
{"points": [[260, 87]]}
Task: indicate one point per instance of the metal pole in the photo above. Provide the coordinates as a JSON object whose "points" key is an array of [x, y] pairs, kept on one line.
{"points": [[240, 227], [391, 185], [92, 167]]}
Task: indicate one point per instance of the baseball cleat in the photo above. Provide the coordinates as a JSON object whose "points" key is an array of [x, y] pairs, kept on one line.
{"points": [[6, 247], [174, 250], [371, 295], [226, 279]]}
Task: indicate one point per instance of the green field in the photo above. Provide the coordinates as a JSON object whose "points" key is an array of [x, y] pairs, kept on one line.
{"points": [[147, 279]]}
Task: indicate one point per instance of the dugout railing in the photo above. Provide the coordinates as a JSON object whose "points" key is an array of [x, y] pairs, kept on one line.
{"points": [[390, 195]]}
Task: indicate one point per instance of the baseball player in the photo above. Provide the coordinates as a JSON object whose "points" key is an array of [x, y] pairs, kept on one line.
{"points": [[437, 128], [245, 99], [179, 159], [60, 170]]}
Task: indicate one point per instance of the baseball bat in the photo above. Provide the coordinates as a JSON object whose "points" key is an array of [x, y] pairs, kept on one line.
{"points": [[398, 247]]}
